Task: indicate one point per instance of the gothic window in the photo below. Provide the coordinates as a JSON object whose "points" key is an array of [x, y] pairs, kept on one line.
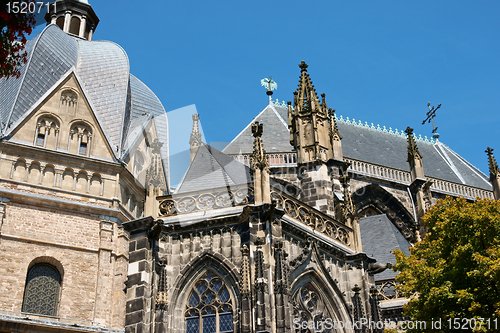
{"points": [[41, 293], [209, 308], [309, 307]]}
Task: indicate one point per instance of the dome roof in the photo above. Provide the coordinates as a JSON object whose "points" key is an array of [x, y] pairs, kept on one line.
{"points": [[118, 98]]}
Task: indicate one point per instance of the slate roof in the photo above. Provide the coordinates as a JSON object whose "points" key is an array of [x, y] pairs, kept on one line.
{"points": [[119, 99], [276, 137], [365, 144], [212, 169], [379, 237]]}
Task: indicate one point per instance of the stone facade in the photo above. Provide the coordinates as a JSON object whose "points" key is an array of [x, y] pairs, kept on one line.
{"points": [[66, 190], [276, 245]]}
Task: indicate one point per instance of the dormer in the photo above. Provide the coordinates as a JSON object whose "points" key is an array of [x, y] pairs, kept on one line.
{"points": [[75, 17]]}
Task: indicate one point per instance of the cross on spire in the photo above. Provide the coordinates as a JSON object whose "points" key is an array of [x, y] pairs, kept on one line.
{"points": [[430, 117]]}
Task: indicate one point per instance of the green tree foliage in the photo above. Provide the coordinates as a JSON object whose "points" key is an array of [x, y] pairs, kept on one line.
{"points": [[454, 272], [14, 24]]}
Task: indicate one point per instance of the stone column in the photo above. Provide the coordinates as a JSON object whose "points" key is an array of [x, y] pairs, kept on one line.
{"points": [[83, 24], [67, 21], [56, 130]]}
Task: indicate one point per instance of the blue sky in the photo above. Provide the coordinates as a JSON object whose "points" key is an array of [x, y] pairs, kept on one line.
{"points": [[376, 61]]}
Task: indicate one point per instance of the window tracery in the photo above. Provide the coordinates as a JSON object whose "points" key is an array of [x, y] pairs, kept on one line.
{"points": [[310, 308], [209, 307], [41, 293]]}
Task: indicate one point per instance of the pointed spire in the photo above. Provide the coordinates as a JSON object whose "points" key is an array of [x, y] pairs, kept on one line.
{"points": [[335, 137], [195, 139], [494, 173], [306, 99], [412, 145], [313, 131]]}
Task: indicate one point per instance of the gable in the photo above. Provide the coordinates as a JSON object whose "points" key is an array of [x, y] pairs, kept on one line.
{"points": [[63, 120]]}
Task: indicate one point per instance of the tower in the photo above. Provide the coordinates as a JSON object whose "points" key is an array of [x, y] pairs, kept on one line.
{"points": [[75, 17], [315, 137], [313, 131]]}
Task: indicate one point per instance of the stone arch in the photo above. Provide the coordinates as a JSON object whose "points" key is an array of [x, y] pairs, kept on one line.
{"points": [[34, 172], [68, 101], [81, 182], [19, 170], [47, 131], [67, 179], [96, 184], [48, 175], [80, 137], [206, 261], [373, 196], [329, 299], [49, 260]]}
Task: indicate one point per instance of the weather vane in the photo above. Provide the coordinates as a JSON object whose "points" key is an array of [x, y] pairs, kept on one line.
{"points": [[430, 117], [270, 85]]}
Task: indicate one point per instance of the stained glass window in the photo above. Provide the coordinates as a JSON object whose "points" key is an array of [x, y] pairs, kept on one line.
{"points": [[209, 308], [41, 294]]}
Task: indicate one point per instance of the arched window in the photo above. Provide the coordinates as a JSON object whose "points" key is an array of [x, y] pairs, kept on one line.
{"points": [[47, 129], [209, 308], [74, 26], [310, 307], [68, 101], [41, 293], [81, 136], [60, 22]]}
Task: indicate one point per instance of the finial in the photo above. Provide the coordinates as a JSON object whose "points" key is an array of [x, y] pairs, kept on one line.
{"points": [[412, 146], [492, 163], [303, 66], [430, 117]]}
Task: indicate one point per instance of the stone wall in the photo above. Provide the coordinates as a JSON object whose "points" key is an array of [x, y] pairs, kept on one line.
{"points": [[91, 254]]}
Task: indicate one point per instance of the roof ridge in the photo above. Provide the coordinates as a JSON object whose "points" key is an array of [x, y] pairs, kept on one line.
{"points": [[478, 172], [382, 129]]}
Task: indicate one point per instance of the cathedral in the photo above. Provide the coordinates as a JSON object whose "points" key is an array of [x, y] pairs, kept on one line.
{"points": [[290, 228]]}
